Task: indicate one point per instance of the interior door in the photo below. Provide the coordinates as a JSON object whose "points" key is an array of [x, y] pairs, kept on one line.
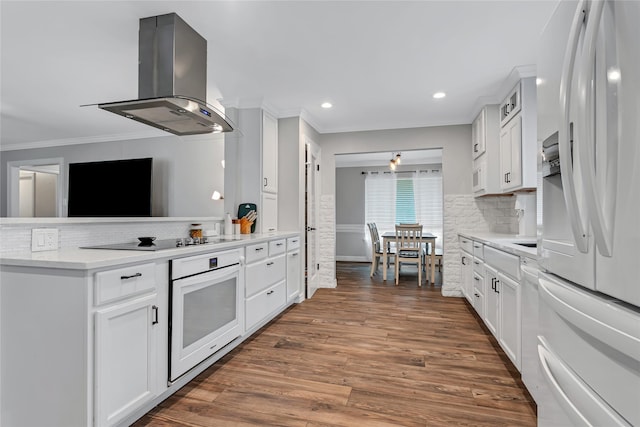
{"points": [[312, 197]]}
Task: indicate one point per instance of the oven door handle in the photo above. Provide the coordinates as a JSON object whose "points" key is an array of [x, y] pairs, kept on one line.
{"points": [[203, 279]]}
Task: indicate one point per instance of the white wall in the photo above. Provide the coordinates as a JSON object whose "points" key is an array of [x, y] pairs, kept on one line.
{"points": [[185, 169]]}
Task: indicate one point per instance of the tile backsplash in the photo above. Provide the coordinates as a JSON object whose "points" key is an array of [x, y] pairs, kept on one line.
{"points": [[16, 236]]}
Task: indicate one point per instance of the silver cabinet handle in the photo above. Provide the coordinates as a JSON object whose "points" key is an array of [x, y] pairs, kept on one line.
{"points": [[131, 277], [265, 182]]}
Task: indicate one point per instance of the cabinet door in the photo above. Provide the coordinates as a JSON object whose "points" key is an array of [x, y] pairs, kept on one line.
{"points": [[478, 134], [478, 289], [510, 326], [511, 155], [492, 300], [125, 359], [466, 273], [269, 213], [293, 275], [269, 153]]}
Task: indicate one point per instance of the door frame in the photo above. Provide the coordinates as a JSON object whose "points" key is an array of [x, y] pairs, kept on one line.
{"points": [[13, 183], [313, 149]]}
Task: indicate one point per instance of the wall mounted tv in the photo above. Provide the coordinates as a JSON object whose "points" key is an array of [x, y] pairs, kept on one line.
{"points": [[115, 188]]}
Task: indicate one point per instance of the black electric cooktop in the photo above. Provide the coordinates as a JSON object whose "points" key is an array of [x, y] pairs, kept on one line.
{"points": [[158, 245]]}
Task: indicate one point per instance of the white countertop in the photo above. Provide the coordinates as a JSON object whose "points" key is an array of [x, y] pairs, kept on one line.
{"points": [[89, 259], [505, 242]]}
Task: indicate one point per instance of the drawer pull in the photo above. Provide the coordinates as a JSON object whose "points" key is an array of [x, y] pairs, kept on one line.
{"points": [[259, 249], [477, 278], [476, 262], [294, 254], [269, 264], [131, 277], [270, 292], [294, 241], [155, 315], [279, 244]]}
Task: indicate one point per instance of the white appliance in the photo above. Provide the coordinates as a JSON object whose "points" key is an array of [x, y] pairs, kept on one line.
{"points": [[205, 307], [589, 284]]}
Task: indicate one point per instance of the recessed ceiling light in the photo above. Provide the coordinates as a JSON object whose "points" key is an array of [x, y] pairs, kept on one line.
{"points": [[326, 105], [439, 95]]}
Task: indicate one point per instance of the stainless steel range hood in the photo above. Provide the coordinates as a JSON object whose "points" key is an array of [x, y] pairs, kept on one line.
{"points": [[172, 80]]}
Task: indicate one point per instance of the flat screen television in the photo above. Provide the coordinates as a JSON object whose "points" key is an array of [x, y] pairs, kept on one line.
{"points": [[114, 188]]}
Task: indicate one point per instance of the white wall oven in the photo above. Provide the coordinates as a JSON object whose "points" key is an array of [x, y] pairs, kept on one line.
{"points": [[206, 312]]}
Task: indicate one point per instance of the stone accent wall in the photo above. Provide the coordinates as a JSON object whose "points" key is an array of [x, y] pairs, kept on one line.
{"points": [[327, 236], [464, 213]]}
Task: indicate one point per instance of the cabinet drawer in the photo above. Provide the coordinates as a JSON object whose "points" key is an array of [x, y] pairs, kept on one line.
{"points": [[505, 263], [263, 304], [264, 274], [256, 252], [116, 284], [478, 266], [478, 250], [293, 243], [466, 244], [277, 247]]}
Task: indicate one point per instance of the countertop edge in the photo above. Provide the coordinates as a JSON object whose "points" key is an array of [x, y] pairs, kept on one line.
{"points": [[93, 259], [504, 242]]}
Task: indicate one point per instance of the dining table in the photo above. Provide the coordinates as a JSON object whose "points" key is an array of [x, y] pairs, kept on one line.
{"points": [[390, 236]]}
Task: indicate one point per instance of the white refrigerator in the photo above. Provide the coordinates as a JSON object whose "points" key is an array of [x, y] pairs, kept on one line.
{"points": [[588, 90]]}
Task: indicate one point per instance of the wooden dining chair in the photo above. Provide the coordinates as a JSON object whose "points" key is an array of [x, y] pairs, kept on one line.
{"points": [[376, 248], [409, 248]]}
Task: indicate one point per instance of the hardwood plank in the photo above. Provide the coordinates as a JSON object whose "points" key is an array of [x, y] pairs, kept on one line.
{"points": [[366, 353]]}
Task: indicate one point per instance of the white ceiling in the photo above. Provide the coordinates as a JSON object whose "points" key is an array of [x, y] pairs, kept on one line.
{"points": [[378, 62]]}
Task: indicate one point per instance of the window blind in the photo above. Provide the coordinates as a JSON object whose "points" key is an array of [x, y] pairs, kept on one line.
{"points": [[408, 198]]}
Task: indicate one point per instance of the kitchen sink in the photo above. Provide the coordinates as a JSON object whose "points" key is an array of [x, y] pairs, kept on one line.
{"points": [[528, 245]]}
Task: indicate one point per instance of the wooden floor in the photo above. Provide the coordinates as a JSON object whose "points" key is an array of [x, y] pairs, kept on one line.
{"points": [[367, 353]]}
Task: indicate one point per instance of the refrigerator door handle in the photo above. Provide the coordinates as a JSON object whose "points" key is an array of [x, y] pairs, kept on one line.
{"points": [[577, 226], [603, 233], [605, 321], [580, 403]]}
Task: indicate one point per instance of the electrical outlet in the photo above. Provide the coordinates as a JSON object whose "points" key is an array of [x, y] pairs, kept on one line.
{"points": [[44, 239]]}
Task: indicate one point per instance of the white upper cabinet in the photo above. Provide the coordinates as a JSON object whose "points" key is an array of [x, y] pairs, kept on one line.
{"points": [[485, 151], [511, 105], [269, 153], [478, 136], [511, 155], [518, 141], [257, 165]]}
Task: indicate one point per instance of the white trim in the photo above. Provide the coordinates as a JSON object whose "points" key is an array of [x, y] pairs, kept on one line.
{"points": [[350, 228], [81, 140], [349, 258], [101, 220], [13, 180]]}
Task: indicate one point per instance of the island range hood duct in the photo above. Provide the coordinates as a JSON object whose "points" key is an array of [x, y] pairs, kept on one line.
{"points": [[172, 80]]}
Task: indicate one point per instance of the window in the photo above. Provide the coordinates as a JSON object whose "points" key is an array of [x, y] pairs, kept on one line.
{"points": [[413, 197]]}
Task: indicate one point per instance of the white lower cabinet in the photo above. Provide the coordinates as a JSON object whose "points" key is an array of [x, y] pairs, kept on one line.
{"points": [[503, 310], [125, 358], [466, 261], [264, 303], [478, 294], [293, 274], [265, 285], [510, 321], [492, 300]]}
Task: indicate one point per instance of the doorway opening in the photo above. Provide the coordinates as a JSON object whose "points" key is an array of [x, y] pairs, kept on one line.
{"points": [[35, 188]]}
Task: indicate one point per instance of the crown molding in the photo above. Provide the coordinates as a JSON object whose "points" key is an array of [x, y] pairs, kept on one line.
{"points": [[82, 140]]}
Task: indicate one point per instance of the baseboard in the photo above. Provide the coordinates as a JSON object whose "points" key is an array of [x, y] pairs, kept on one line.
{"points": [[352, 258]]}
